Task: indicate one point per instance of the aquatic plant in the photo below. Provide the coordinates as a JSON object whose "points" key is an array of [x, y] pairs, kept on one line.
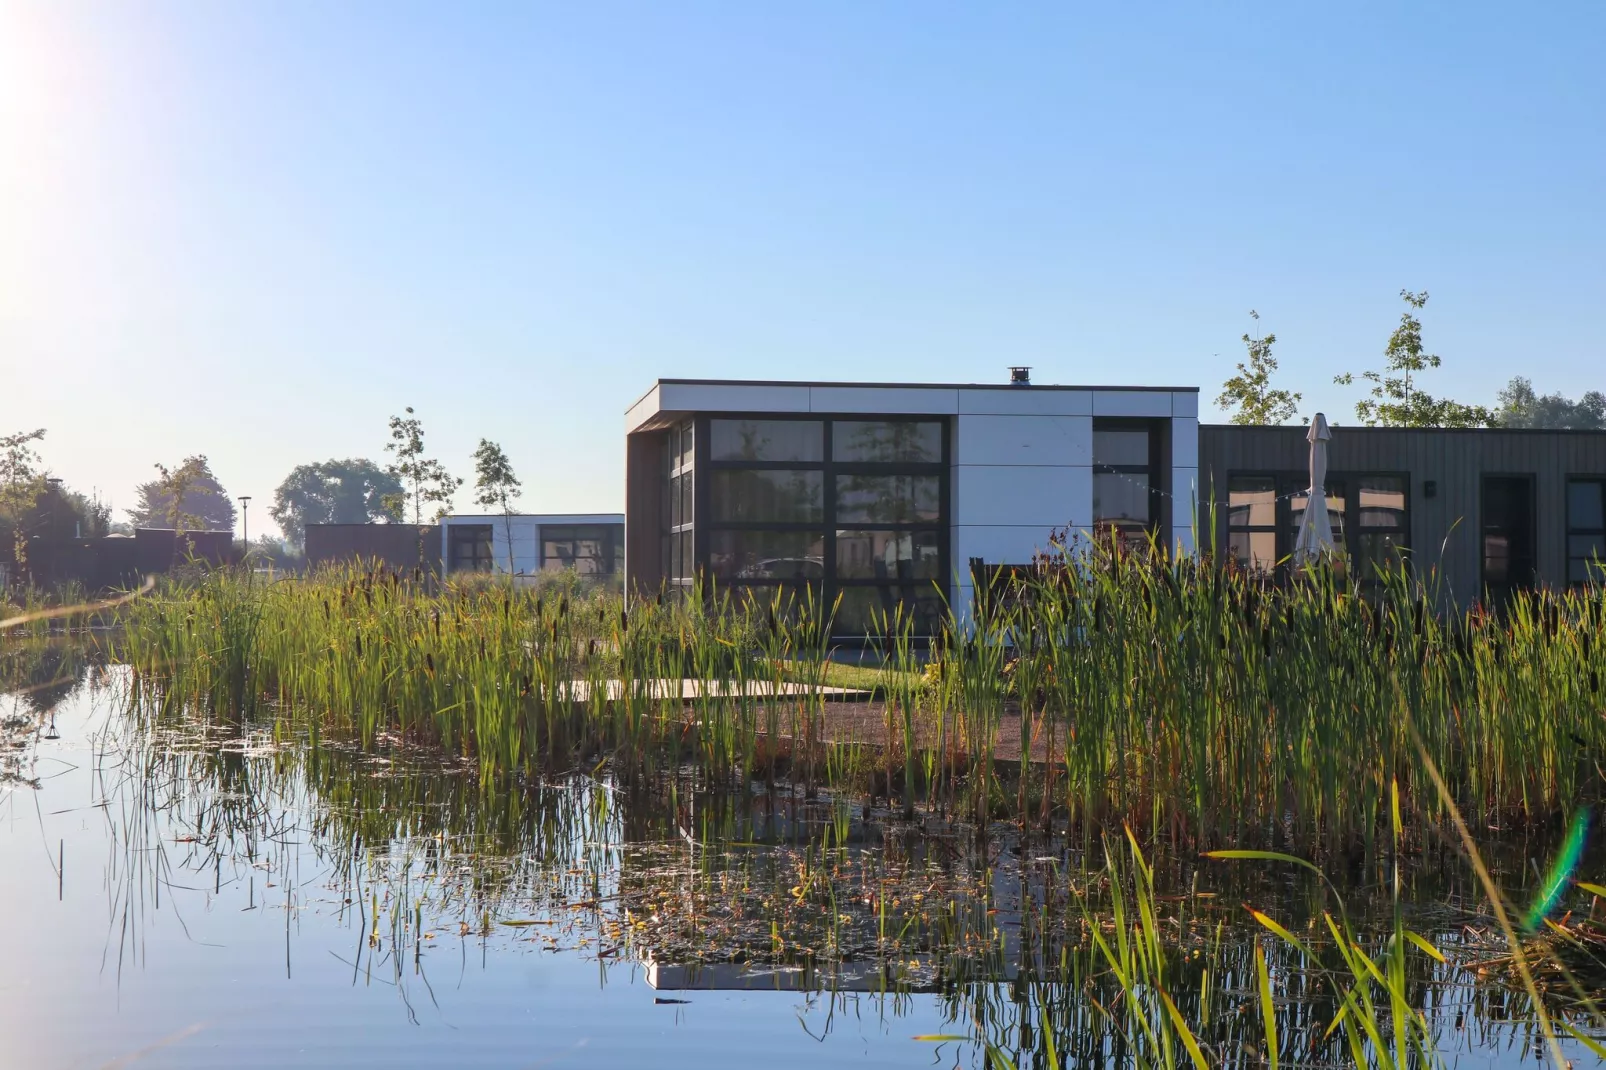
{"points": [[1107, 688]]}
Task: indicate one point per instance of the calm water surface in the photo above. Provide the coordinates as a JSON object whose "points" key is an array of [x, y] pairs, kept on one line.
{"points": [[234, 900]]}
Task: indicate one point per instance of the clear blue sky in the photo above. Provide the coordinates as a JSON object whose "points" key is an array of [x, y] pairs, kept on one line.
{"points": [[256, 230]]}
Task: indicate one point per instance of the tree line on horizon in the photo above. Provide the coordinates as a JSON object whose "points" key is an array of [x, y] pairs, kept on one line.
{"points": [[189, 496]]}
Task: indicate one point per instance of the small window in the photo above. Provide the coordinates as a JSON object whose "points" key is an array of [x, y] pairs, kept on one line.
{"points": [[1586, 530], [773, 441], [469, 547], [886, 442]]}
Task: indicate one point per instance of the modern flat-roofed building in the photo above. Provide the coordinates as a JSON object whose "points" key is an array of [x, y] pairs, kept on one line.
{"points": [[885, 493], [592, 544], [1488, 510], [889, 493]]}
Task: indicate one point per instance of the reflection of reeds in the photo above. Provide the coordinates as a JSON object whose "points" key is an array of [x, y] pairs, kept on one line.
{"points": [[1168, 695], [1029, 946]]}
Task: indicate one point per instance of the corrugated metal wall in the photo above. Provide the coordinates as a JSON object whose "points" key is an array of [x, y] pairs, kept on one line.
{"points": [[1444, 529]]}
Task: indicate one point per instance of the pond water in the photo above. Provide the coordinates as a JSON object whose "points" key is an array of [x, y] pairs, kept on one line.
{"points": [[186, 896]]}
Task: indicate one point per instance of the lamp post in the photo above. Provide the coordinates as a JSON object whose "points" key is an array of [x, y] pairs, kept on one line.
{"points": [[245, 520], [54, 482]]}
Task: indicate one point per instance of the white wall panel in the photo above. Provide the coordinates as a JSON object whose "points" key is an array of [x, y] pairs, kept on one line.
{"points": [[884, 399], [732, 397], [997, 545], [1003, 545], [1185, 403], [1026, 401], [1184, 507], [1020, 495], [1024, 440], [1184, 443], [1132, 403]]}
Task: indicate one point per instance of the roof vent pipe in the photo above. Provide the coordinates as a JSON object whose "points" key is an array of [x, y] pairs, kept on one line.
{"points": [[1020, 375]]}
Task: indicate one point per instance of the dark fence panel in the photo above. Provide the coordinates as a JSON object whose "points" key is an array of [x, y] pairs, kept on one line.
{"points": [[390, 545]]}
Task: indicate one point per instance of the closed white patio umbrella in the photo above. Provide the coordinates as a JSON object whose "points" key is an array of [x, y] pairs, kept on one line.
{"points": [[1315, 532]]}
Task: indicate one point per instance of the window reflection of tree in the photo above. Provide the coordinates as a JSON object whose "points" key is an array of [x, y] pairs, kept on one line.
{"points": [[885, 498]]}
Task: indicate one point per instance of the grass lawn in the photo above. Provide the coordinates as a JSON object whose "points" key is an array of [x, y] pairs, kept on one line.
{"points": [[856, 677]]}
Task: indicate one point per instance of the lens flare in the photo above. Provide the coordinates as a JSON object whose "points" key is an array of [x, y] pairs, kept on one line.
{"points": [[1561, 870]]}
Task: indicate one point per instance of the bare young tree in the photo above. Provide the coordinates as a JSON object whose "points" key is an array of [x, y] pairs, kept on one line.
{"points": [[425, 481], [496, 487]]}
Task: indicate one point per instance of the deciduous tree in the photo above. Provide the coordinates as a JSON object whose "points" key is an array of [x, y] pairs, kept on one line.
{"points": [[1249, 395], [1520, 406], [352, 491], [1396, 400], [425, 481], [187, 497], [496, 487]]}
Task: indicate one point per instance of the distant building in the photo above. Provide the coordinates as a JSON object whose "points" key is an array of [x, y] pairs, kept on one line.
{"points": [[591, 544]]}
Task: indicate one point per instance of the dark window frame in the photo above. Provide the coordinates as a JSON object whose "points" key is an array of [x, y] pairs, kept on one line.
{"points": [[830, 583], [677, 468], [1574, 529], [1288, 482], [1280, 514], [481, 542], [1156, 469], [1501, 591], [611, 540]]}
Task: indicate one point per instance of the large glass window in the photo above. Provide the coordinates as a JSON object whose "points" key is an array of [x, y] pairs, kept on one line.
{"points": [[767, 555], [785, 441], [767, 495], [1586, 530], [589, 549], [1125, 480], [886, 441], [468, 547], [1367, 513], [1333, 492], [888, 555], [855, 508], [1252, 522], [863, 609], [1378, 533], [888, 499]]}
